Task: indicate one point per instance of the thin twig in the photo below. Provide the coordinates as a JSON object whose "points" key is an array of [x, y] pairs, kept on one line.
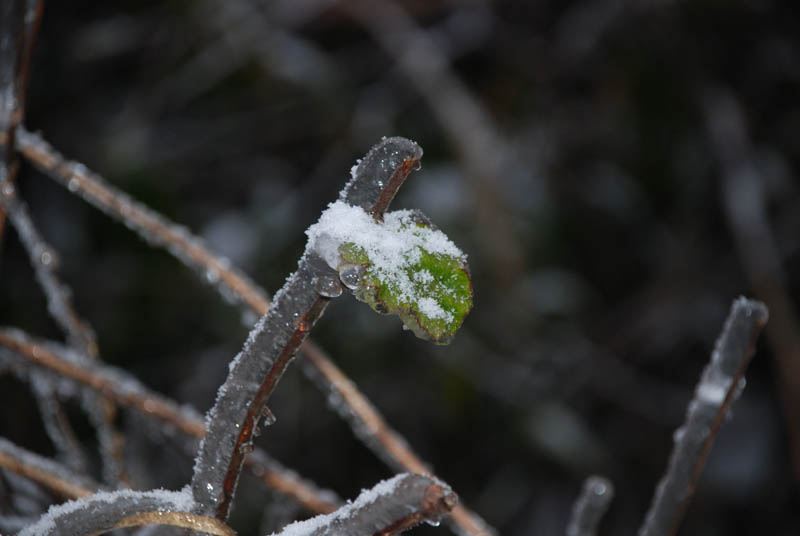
{"points": [[272, 344], [744, 199], [591, 506], [720, 385], [45, 471], [126, 390], [19, 23], [360, 413], [390, 507], [105, 511]]}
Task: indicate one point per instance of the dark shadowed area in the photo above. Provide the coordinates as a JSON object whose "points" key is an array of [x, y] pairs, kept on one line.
{"points": [[617, 173]]}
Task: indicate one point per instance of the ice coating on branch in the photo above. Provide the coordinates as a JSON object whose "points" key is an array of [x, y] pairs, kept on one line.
{"points": [[402, 265], [126, 500]]}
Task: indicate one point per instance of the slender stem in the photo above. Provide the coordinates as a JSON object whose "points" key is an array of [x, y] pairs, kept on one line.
{"points": [[720, 385], [151, 226], [126, 390], [590, 507], [45, 471], [19, 23], [359, 411], [390, 507], [274, 341]]}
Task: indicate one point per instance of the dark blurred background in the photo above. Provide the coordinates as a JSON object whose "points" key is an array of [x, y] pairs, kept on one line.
{"points": [[617, 171]]}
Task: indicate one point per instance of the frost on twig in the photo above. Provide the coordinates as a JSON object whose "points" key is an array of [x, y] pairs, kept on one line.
{"points": [[105, 511], [46, 472], [720, 385], [590, 507], [61, 369], [232, 422], [154, 228], [390, 507]]}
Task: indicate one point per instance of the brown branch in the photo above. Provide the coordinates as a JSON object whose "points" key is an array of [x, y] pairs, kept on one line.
{"points": [[126, 390], [360, 413], [45, 471], [390, 507], [19, 23], [272, 344], [719, 387], [153, 227]]}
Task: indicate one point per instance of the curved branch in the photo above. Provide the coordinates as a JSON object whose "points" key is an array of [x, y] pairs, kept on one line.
{"points": [[272, 344], [357, 410], [105, 511], [719, 386], [126, 390], [390, 507]]}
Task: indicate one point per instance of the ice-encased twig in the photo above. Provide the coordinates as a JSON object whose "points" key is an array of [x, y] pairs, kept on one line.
{"points": [[45, 471], [390, 507], [105, 511], [590, 507], [273, 342], [126, 390], [365, 420], [152, 227], [44, 261], [720, 385]]}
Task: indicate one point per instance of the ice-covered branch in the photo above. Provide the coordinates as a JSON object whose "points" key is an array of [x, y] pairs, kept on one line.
{"points": [[365, 420], [590, 507], [105, 511], [46, 472], [126, 390], [151, 226], [720, 385], [272, 344], [44, 261], [390, 507], [19, 22], [79, 334]]}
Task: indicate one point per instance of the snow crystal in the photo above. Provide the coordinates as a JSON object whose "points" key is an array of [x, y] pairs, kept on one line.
{"points": [[392, 247]]}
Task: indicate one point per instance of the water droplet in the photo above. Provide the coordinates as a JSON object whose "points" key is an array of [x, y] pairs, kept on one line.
{"points": [[212, 276], [73, 184], [8, 189], [432, 522], [328, 286], [209, 488], [352, 276], [269, 417], [46, 258]]}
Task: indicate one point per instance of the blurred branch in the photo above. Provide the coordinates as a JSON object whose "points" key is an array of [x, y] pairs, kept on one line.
{"points": [[462, 117], [360, 413], [151, 226], [720, 385], [80, 335], [105, 511], [19, 22], [745, 205], [126, 390], [390, 507], [591, 506], [44, 471], [272, 344]]}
